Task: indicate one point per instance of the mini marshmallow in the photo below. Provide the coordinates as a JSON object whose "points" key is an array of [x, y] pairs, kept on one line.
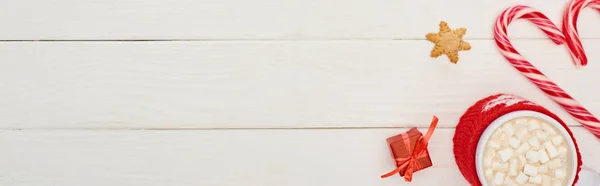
{"points": [[534, 142], [541, 135], [508, 123], [502, 137], [534, 125], [489, 173], [490, 152], [497, 135], [530, 170], [535, 179], [546, 180], [508, 129], [562, 151], [522, 178], [494, 144], [548, 129], [522, 160], [487, 161], [523, 148], [555, 163], [513, 167], [499, 178], [522, 133], [543, 168], [557, 183], [509, 182], [532, 156], [560, 173], [543, 156], [551, 149], [558, 140], [506, 154], [499, 166], [514, 142], [521, 121]]}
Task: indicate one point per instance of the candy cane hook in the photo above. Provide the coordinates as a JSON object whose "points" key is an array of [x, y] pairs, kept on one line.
{"points": [[569, 28], [533, 74]]}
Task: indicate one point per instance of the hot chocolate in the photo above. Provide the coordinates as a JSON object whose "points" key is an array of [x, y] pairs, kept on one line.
{"points": [[527, 151]]}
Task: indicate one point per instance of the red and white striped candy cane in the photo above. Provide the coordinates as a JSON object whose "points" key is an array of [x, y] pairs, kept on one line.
{"points": [[569, 28], [533, 74]]}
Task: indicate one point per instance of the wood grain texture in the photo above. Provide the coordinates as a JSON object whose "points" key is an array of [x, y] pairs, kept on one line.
{"points": [[267, 84], [264, 19], [257, 93], [223, 158]]}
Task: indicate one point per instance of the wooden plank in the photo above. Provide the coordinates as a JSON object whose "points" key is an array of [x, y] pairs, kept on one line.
{"points": [[223, 157], [298, 84], [265, 19]]}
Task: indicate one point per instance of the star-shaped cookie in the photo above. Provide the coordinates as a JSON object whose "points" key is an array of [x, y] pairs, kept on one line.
{"points": [[448, 42]]}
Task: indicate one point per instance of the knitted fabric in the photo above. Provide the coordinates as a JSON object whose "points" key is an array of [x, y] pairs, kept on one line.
{"points": [[482, 114]]}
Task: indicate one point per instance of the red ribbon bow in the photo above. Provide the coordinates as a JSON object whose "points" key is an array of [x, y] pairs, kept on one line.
{"points": [[409, 163]]}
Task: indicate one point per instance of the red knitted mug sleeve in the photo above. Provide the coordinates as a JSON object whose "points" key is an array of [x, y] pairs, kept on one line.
{"points": [[476, 119]]}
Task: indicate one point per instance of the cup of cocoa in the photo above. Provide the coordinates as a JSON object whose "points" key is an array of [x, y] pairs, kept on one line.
{"points": [[529, 148]]}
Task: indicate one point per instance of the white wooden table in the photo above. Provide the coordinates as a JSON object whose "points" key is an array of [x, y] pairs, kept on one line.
{"points": [[257, 93]]}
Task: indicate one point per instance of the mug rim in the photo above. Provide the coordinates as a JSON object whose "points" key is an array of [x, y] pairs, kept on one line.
{"points": [[487, 133]]}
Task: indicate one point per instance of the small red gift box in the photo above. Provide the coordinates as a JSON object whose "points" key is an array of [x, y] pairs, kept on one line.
{"points": [[409, 149], [398, 146]]}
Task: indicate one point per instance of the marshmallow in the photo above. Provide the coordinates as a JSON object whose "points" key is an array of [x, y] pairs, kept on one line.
{"points": [[546, 180], [541, 135], [494, 144], [514, 142], [490, 152], [522, 178], [535, 179], [498, 135], [521, 121], [532, 156], [513, 167], [558, 140], [543, 168], [560, 173], [506, 154], [489, 173], [551, 149], [530, 170], [555, 163], [522, 160], [487, 161], [508, 129], [509, 182], [502, 137], [523, 148], [499, 166], [499, 178], [508, 123], [562, 151], [543, 156], [534, 142], [549, 129], [534, 125], [522, 133]]}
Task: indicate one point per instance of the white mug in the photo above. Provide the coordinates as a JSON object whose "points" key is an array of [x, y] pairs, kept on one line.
{"points": [[587, 176]]}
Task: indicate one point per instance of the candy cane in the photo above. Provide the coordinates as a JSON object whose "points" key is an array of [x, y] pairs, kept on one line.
{"points": [[533, 74], [569, 28]]}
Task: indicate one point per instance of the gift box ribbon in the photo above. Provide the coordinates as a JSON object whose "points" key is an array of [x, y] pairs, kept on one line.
{"points": [[409, 163]]}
